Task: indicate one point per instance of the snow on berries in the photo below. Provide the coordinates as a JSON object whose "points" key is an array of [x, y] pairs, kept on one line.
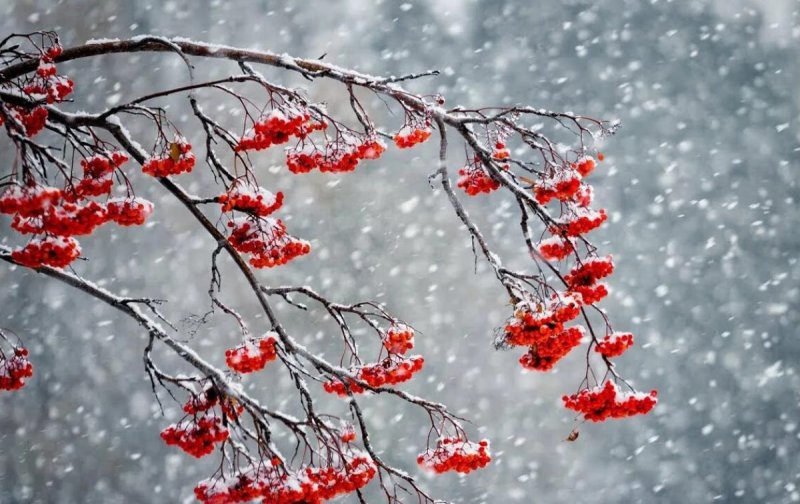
{"points": [[278, 128], [607, 401], [390, 371], [14, 369], [409, 136], [399, 339], [500, 152], [583, 279], [544, 355], [251, 356], [29, 200], [196, 436], [98, 171], [250, 198], [275, 484], [585, 165], [129, 211], [338, 157], [614, 344], [33, 120], [176, 159], [347, 434], [579, 221], [53, 251], [556, 248], [532, 324], [456, 454], [266, 240], [474, 180], [563, 185]]}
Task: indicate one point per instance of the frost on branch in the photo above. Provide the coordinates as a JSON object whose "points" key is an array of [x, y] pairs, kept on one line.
{"points": [[54, 195]]}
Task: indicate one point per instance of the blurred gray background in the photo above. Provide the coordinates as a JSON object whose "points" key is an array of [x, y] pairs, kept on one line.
{"points": [[701, 183]]}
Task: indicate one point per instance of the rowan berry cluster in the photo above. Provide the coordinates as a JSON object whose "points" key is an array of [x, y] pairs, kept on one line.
{"points": [[500, 152], [563, 186], [474, 179], [33, 121], [53, 251], [56, 215], [266, 240], [456, 454], [250, 198], [129, 211], [337, 157], [390, 371], [409, 136], [556, 248], [98, 172], [348, 434], [547, 352], [607, 401], [252, 356], [399, 339], [196, 436], [277, 128], [614, 344], [47, 85], [577, 221], [583, 279], [177, 157], [277, 486], [15, 369], [532, 325]]}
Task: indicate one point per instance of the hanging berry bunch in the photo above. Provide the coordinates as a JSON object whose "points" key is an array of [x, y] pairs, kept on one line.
{"points": [[15, 367]]}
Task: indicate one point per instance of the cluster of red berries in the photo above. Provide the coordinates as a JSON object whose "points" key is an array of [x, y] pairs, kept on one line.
{"points": [[583, 279], [210, 398], [177, 158], [196, 436], [58, 215], [277, 129], [579, 221], [46, 85], [311, 485], [531, 326], [28, 201], [98, 171], [614, 344], [336, 158], [606, 401], [563, 186], [246, 197], [399, 339], [547, 352], [33, 120], [267, 241], [15, 369], [586, 164], [66, 219], [500, 152], [390, 371], [348, 434], [251, 356], [129, 211], [474, 179], [556, 248], [456, 454], [54, 251], [409, 137]]}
